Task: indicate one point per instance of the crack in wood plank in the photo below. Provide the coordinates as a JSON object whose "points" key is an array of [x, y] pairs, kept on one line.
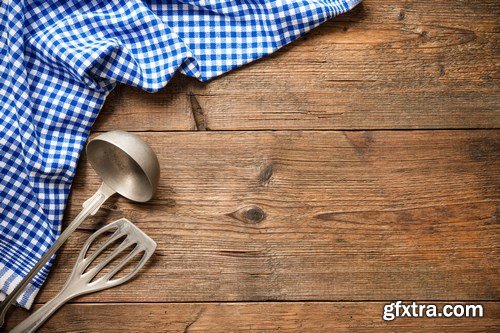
{"points": [[198, 114], [191, 323]]}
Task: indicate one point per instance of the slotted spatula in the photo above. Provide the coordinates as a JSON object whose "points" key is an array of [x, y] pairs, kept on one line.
{"points": [[83, 278]]}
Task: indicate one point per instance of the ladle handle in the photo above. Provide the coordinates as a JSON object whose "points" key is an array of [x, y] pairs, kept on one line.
{"points": [[34, 321], [89, 208]]}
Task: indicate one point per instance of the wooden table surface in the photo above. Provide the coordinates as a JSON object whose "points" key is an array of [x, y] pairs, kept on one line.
{"points": [[358, 166]]}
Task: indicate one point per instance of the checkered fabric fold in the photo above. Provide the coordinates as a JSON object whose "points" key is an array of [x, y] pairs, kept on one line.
{"points": [[60, 59]]}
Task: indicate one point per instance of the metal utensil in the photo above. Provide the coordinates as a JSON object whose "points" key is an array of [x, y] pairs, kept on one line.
{"points": [[127, 165], [84, 277]]}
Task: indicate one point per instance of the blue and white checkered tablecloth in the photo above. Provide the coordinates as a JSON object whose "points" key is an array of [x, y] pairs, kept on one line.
{"points": [[60, 59]]}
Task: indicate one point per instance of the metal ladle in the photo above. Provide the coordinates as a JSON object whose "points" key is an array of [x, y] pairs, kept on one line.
{"points": [[127, 166]]}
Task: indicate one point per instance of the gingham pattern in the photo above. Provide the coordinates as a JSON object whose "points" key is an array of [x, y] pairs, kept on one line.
{"points": [[59, 60]]}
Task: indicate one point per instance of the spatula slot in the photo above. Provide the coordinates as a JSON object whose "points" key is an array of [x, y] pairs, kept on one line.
{"points": [[103, 251], [104, 269], [99, 238], [128, 265]]}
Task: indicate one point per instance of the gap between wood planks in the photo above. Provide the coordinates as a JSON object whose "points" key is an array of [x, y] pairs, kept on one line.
{"points": [[315, 130], [284, 301]]}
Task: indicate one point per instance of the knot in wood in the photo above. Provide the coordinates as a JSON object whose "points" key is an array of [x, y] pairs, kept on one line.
{"points": [[249, 214], [266, 174]]}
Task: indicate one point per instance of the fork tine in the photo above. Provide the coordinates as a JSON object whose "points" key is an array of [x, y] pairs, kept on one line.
{"points": [[94, 271]]}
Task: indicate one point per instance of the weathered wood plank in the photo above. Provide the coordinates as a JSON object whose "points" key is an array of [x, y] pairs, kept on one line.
{"points": [[255, 317], [311, 216], [386, 65], [130, 108]]}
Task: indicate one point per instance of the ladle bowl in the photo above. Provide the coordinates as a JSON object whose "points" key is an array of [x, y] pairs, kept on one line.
{"points": [[126, 165]]}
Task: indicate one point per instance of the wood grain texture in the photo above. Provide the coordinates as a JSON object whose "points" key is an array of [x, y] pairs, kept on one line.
{"points": [[301, 230], [253, 317], [387, 64], [246, 216]]}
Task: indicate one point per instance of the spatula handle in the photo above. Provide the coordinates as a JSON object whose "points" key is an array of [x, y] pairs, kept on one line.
{"points": [[33, 322], [89, 208]]}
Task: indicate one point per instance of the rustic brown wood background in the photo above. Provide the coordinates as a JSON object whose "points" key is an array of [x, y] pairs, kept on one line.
{"points": [[357, 166]]}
